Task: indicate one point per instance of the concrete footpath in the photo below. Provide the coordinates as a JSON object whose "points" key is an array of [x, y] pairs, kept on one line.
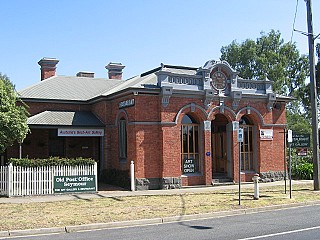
{"points": [[112, 193]]}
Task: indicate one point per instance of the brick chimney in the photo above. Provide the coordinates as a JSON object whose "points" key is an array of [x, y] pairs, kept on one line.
{"points": [[85, 74], [48, 67], [115, 70]]}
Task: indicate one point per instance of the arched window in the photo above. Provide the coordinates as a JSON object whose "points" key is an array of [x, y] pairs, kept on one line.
{"points": [[247, 163], [189, 145], [122, 140]]}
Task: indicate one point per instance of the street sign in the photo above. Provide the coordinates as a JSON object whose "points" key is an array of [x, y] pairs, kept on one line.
{"points": [[300, 140], [289, 136], [302, 151]]}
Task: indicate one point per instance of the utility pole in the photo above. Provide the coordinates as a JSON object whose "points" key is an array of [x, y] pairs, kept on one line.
{"points": [[314, 108]]}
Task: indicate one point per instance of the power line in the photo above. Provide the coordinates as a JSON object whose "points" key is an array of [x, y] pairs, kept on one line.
{"points": [[294, 21]]}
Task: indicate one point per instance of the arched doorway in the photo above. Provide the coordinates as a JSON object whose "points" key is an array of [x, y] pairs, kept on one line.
{"points": [[219, 146]]}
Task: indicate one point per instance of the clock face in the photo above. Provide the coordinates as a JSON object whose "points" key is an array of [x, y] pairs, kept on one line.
{"points": [[219, 80]]}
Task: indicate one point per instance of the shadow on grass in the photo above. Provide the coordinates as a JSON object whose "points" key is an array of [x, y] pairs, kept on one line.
{"points": [[183, 213], [99, 196]]}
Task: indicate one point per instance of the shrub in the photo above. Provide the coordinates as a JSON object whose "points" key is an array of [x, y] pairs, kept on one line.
{"points": [[51, 161], [302, 168]]}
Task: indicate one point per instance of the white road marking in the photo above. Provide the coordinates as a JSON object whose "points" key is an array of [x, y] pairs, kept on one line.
{"points": [[281, 233]]}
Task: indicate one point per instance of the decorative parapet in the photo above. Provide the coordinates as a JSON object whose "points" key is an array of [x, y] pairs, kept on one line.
{"points": [[166, 93], [180, 80], [252, 85]]}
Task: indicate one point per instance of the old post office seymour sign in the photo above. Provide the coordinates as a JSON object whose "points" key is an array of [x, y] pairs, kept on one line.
{"points": [[68, 184]]}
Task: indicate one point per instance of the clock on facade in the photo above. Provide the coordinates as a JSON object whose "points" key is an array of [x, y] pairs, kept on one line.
{"points": [[219, 80]]}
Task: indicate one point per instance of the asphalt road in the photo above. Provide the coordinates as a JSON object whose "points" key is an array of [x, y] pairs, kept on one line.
{"points": [[293, 223]]}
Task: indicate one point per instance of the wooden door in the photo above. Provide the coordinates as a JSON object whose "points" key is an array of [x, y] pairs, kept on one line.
{"points": [[220, 163]]}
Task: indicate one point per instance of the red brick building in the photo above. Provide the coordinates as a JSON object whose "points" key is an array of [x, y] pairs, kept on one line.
{"points": [[178, 124]]}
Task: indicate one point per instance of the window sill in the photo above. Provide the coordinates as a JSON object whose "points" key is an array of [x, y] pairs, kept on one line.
{"points": [[248, 172], [123, 161], [192, 175]]}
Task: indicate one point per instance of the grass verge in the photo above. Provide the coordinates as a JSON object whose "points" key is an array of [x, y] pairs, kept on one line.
{"points": [[77, 212]]}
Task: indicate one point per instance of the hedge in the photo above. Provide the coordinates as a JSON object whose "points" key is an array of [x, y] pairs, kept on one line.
{"points": [[51, 161]]}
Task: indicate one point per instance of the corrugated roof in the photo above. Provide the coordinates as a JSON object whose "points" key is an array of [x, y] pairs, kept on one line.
{"points": [[69, 88], [136, 82], [72, 88], [65, 118], [180, 71]]}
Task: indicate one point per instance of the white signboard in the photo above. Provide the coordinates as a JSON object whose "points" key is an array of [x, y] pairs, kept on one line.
{"points": [[266, 134], [290, 136], [78, 132], [240, 135]]}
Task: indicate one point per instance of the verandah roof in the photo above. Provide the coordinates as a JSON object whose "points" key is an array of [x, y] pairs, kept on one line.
{"points": [[64, 118]]}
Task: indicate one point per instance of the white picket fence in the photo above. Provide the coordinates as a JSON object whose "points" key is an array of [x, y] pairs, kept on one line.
{"points": [[27, 181]]}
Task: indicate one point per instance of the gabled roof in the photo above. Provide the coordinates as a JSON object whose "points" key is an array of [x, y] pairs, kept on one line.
{"points": [[69, 88], [72, 88], [65, 118]]}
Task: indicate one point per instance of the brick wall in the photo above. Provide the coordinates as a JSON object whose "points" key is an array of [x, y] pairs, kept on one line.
{"points": [[154, 146]]}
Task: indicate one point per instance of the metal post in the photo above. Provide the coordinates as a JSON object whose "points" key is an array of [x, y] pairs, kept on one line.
{"points": [[290, 176], [285, 161], [240, 140], [239, 173], [313, 88]]}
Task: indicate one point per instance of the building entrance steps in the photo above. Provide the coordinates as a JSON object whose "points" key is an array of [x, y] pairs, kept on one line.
{"points": [[221, 179]]}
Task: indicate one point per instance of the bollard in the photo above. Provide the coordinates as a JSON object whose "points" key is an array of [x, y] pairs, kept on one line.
{"points": [[255, 180], [132, 180]]}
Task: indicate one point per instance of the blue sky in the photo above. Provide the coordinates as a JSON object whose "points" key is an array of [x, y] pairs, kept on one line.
{"points": [[141, 34]]}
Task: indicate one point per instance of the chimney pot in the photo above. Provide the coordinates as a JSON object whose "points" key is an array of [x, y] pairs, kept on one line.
{"points": [[115, 70], [48, 67]]}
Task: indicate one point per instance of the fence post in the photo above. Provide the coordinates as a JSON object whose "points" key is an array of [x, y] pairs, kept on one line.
{"points": [[133, 187], [96, 174], [10, 183]]}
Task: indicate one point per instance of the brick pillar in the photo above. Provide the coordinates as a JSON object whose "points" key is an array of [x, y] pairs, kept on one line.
{"points": [[236, 158], [207, 153]]}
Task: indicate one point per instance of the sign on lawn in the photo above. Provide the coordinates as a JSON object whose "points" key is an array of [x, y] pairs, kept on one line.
{"points": [[300, 140], [69, 184]]}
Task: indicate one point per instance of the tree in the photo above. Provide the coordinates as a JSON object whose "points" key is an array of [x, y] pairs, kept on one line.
{"points": [[304, 95], [13, 115], [269, 56]]}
